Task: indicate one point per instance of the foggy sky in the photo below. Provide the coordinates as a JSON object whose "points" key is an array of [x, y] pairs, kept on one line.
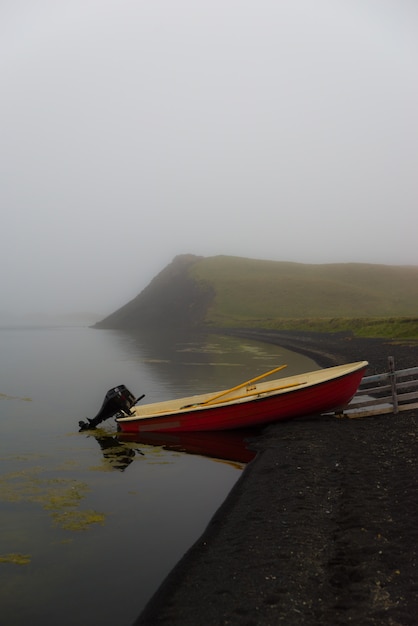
{"points": [[132, 131]]}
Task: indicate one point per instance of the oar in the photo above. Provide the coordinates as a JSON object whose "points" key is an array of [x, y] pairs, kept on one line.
{"points": [[255, 393], [247, 382]]}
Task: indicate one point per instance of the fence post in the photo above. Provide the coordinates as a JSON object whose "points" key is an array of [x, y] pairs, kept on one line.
{"points": [[392, 375]]}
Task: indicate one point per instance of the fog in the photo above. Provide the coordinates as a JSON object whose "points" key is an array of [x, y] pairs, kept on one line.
{"points": [[132, 131]]}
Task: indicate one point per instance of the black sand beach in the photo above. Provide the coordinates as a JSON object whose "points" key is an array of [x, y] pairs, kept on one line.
{"points": [[322, 527]]}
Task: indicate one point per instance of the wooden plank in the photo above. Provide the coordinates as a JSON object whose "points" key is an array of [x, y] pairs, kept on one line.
{"points": [[378, 390], [371, 390], [372, 402], [383, 411], [354, 415], [408, 407], [374, 379], [408, 396], [408, 372], [376, 410], [380, 377], [409, 384], [381, 401]]}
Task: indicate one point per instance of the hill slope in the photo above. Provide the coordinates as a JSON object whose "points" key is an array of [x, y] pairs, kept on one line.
{"points": [[174, 299], [231, 291]]}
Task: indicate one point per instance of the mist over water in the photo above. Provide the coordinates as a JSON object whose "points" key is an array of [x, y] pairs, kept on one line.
{"points": [[99, 521]]}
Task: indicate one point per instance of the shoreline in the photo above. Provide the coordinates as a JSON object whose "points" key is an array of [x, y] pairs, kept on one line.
{"points": [[320, 528], [338, 348]]}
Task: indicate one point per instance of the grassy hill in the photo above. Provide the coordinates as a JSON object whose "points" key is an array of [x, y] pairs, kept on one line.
{"points": [[225, 291]]}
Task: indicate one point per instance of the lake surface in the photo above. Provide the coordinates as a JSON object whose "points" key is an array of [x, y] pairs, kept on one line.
{"points": [[91, 525]]}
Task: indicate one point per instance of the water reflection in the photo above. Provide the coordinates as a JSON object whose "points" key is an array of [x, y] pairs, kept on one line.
{"points": [[116, 455], [201, 363], [231, 445], [119, 450]]}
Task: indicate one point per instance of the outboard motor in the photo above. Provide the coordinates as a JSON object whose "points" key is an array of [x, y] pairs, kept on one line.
{"points": [[117, 400]]}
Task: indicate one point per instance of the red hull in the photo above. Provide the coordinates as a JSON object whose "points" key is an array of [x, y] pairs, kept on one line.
{"points": [[329, 394]]}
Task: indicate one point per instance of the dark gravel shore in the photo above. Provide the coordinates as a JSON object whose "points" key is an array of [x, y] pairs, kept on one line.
{"points": [[322, 527]]}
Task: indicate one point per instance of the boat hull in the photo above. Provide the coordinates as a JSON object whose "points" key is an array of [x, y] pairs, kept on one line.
{"points": [[322, 393]]}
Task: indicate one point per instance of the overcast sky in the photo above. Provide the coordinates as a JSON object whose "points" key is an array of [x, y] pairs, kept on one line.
{"points": [[135, 130]]}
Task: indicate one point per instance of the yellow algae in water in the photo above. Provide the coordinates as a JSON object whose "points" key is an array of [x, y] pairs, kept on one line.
{"points": [[15, 558], [22, 457], [4, 396], [77, 520], [19, 486], [61, 497]]}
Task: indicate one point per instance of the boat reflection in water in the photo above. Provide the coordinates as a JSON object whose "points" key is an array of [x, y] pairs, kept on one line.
{"points": [[120, 449], [116, 455]]}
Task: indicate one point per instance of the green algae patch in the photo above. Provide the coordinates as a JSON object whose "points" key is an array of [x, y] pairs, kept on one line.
{"points": [[60, 497], [77, 520], [15, 558]]}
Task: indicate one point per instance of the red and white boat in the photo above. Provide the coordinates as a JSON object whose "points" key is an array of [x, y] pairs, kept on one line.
{"points": [[252, 403]]}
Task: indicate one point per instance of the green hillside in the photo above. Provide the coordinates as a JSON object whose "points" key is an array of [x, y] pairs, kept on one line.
{"points": [[249, 289], [225, 291]]}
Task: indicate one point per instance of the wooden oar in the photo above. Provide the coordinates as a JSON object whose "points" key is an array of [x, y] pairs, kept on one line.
{"points": [[255, 393], [247, 382]]}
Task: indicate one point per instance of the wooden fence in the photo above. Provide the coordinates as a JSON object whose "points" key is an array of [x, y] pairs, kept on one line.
{"points": [[391, 392]]}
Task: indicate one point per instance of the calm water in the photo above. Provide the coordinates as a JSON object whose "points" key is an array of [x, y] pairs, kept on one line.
{"points": [[89, 525]]}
